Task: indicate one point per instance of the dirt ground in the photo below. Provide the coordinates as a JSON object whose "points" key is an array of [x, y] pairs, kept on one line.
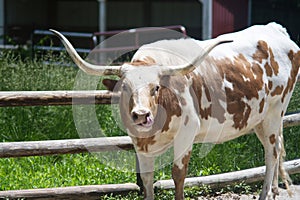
{"points": [[283, 195]]}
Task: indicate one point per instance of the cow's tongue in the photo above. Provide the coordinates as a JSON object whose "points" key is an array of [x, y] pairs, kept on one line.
{"points": [[148, 122]]}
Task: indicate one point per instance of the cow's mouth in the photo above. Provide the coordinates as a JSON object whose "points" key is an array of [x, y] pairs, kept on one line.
{"points": [[147, 123]]}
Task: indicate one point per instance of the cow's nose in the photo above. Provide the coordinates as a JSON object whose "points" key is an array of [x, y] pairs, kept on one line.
{"points": [[140, 117]]}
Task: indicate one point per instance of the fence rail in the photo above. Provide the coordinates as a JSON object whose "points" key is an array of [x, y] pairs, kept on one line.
{"points": [[230, 178], [46, 33], [55, 98], [96, 37], [93, 192], [52, 147], [89, 192]]}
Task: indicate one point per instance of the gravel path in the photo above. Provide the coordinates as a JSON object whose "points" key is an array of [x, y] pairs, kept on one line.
{"points": [[283, 195]]}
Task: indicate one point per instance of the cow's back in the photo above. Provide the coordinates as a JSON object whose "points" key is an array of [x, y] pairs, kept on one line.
{"points": [[246, 40], [245, 80], [239, 83]]}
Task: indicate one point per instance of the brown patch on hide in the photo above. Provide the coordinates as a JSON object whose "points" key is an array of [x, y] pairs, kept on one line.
{"points": [[269, 71], [169, 102], [143, 143], [246, 79], [267, 89], [186, 159], [270, 85], [277, 91], [272, 139], [274, 64], [241, 113], [261, 105], [200, 90], [295, 60], [261, 52]]}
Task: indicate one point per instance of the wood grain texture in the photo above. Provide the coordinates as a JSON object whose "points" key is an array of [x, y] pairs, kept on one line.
{"points": [[88, 192], [55, 98]]}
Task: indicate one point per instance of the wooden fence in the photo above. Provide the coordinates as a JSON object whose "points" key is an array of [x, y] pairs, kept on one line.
{"points": [[52, 147]]}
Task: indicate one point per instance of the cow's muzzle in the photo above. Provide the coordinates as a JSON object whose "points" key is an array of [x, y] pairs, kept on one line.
{"points": [[142, 118]]}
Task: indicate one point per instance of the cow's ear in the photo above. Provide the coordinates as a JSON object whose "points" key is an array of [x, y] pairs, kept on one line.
{"points": [[109, 84]]}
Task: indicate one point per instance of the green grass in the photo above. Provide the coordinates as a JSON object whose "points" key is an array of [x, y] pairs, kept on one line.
{"points": [[57, 171], [56, 122]]}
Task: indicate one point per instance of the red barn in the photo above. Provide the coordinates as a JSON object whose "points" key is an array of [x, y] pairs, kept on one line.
{"points": [[229, 16]]}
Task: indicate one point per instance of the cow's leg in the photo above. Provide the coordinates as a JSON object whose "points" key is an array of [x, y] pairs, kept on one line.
{"points": [[179, 172], [282, 172], [275, 179], [268, 134], [278, 164], [146, 170], [183, 144], [280, 168]]}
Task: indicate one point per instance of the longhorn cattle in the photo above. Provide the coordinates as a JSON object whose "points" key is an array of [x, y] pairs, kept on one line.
{"points": [[180, 92]]}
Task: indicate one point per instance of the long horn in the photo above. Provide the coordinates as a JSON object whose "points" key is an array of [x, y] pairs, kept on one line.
{"points": [[189, 67], [82, 64]]}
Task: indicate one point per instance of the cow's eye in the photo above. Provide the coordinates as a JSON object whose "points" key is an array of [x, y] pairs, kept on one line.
{"points": [[154, 90]]}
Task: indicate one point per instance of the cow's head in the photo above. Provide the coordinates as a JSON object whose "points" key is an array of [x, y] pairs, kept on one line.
{"points": [[140, 86]]}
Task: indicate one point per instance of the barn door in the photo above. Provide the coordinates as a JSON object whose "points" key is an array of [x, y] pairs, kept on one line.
{"points": [[229, 16]]}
